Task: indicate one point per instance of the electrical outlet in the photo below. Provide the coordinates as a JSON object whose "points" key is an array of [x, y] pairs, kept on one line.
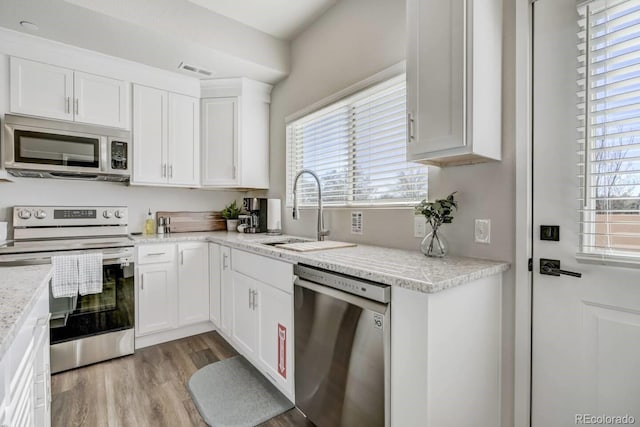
{"points": [[419, 226], [482, 231], [356, 222]]}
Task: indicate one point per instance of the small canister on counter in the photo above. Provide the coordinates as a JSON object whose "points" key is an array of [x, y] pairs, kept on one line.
{"points": [[161, 225]]}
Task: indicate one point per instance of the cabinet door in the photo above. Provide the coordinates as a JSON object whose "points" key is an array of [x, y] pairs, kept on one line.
{"points": [[226, 291], [245, 331], [436, 75], [184, 141], [42, 372], [193, 283], [41, 90], [215, 288], [157, 297], [100, 100], [275, 335], [149, 135], [220, 142]]}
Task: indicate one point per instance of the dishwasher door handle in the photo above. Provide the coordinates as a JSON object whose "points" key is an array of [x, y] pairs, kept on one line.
{"points": [[356, 300]]}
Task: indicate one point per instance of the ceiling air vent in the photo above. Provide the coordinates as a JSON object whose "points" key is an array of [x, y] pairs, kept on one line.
{"points": [[194, 69]]}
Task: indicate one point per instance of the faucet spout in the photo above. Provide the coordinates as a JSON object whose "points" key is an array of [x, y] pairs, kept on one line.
{"points": [[322, 232]]}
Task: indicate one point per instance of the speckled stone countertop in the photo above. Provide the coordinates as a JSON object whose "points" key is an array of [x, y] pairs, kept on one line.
{"points": [[395, 267], [20, 288]]}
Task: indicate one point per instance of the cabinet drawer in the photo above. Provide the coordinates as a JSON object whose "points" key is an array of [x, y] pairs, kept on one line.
{"points": [[152, 254], [273, 272]]}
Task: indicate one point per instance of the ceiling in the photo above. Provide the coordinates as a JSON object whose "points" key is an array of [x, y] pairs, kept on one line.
{"points": [[283, 19], [230, 38]]}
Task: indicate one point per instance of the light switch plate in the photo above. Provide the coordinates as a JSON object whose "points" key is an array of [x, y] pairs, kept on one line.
{"points": [[482, 231], [419, 226], [356, 223]]}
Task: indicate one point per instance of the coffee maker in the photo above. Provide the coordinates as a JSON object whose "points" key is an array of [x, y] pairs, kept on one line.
{"points": [[257, 209]]}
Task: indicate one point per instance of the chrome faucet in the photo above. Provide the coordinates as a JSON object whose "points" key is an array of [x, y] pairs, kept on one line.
{"points": [[321, 230]]}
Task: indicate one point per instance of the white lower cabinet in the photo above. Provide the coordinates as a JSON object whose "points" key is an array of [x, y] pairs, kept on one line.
{"points": [[262, 327], [193, 283], [25, 389], [245, 318], [226, 291], [157, 298], [215, 278], [172, 291]]}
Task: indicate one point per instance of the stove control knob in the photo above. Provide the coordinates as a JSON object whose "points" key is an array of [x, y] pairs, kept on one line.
{"points": [[24, 214], [119, 214], [107, 214], [40, 214]]}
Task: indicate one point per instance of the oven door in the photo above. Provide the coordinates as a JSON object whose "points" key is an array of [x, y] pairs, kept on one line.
{"points": [[111, 310]]}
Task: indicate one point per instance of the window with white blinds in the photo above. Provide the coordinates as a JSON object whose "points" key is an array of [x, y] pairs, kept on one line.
{"points": [[609, 128], [357, 146]]}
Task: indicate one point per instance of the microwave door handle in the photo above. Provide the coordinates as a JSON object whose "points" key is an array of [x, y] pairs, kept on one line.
{"points": [[105, 163]]}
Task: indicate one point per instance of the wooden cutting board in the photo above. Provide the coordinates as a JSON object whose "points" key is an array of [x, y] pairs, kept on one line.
{"points": [[185, 222], [315, 246]]}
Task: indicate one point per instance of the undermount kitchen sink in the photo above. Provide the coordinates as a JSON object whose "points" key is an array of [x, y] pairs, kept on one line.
{"points": [[302, 245], [286, 241]]}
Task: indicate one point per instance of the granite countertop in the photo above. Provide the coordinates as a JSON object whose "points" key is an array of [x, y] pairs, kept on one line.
{"points": [[20, 288], [395, 267]]}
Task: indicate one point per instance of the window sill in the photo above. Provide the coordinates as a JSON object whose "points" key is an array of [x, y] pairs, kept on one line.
{"points": [[609, 260]]}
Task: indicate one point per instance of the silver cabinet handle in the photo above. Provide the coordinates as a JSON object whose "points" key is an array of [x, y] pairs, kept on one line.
{"points": [[142, 282], [170, 171], [68, 105], [250, 291], [164, 170], [253, 302], [77, 105], [410, 121], [224, 261], [182, 257], [156, 253]]}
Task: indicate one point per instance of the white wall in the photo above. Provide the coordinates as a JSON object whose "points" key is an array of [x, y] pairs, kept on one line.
{"points": [[35, 191], [352, 41]]}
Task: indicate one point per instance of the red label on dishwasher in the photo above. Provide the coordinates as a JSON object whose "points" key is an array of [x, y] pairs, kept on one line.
{"points": [[282, 350]]}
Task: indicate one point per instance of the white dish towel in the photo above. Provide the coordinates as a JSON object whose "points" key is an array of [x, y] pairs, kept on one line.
{"points": [[90, 273], [65, 281]]}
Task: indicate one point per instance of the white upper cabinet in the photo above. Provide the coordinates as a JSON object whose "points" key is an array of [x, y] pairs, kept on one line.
{"points": [[184, 147], [100, 100], [149, 135], [41, 90], [454, 81], [44, 90], [165, 138], [220, 142], [235, 133]]}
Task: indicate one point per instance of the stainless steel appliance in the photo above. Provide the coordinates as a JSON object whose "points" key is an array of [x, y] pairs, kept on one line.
{"points": [[257, 209], [342, 349], [91, 328], [45, 148]]}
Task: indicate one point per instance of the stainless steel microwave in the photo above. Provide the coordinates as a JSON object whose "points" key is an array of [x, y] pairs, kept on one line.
{"points": [[45, 148]]}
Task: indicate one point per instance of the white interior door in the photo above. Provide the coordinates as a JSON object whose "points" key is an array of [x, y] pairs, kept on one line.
{"points": [[586, 331]]}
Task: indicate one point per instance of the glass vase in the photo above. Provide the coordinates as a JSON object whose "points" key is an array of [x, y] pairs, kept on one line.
{"points": [[434, 245]]}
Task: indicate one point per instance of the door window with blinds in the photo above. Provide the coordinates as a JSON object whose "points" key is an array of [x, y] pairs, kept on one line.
{"points": [[357, 146], [609, 128]]}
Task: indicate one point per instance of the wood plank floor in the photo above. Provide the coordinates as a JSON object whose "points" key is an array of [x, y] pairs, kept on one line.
{"points": [[145, 389]]}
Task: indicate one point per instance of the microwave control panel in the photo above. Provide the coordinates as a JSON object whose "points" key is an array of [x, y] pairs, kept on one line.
{"points": [[119, 155]]}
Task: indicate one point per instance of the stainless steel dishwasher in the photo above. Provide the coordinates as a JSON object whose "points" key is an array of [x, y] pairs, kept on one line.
{"points": [[342, 348]]}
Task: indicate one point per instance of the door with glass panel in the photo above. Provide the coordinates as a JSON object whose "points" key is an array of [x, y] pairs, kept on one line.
{"points": [[586, 196]]}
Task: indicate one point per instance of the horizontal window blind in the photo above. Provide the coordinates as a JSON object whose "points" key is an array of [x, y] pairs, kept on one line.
{"points": [[357, 147], [609, 128]]}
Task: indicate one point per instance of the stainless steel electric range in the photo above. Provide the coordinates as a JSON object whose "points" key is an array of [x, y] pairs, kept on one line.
{"points": [[91, 328]]}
